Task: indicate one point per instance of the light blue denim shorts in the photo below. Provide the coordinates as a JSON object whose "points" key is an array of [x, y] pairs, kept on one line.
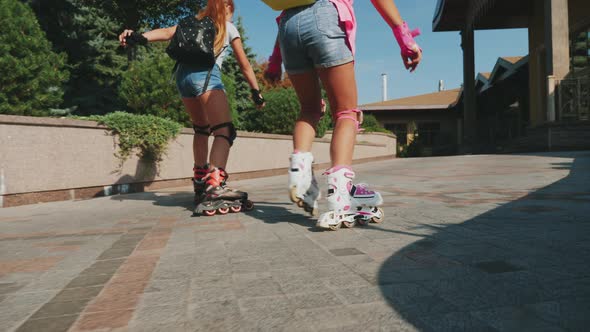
{"points": [[311, 37], [190, 80]]}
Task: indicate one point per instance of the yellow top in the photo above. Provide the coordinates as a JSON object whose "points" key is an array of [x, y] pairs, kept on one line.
{"points": [[286, 4]]}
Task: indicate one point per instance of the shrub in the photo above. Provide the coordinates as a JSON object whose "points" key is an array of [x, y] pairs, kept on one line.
{"points": [[371, 125], [147, 135], [31, 74], [279, 115], [147, 87]]}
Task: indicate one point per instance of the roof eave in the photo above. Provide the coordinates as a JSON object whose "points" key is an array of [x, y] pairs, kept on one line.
{"points": [[403, 108]]}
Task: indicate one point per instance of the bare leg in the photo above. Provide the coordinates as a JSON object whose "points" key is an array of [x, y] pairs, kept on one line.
{"points": [[198, 118], [340, 85], [216, 106], [307, 87]]}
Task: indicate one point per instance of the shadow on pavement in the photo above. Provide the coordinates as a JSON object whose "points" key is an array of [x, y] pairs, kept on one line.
{"points": [[523, 266], [274, 212], [267, 212], [175, 199]]}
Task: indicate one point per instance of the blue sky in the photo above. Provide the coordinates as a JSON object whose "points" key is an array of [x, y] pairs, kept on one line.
{"points": [[377, 50]]}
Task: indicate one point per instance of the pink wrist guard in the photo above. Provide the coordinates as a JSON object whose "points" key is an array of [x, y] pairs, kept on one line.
{"points": [[274, 63], [405, 39]]}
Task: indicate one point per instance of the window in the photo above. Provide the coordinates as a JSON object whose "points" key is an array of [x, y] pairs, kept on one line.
{"points": [[400, 130], [580, 50], [427, 132]]}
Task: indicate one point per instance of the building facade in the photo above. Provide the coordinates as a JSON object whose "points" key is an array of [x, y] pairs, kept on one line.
{"points": [[558, 59]]}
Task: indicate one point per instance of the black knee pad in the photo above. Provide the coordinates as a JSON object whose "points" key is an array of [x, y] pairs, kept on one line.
{"points": [[232, 132], [202, 130]]}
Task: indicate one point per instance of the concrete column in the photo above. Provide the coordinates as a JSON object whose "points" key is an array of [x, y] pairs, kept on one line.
{"points": [[537, 65], [469, 102], [557, 38], [551, 99]]}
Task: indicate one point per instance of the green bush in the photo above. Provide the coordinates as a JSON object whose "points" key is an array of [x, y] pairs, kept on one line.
{"points": [[371, 125], [279, 115], [147, 87], [147, 135], [31, 74], [230, 91]]}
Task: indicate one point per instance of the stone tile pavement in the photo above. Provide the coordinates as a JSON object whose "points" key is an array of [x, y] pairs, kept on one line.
{"points": [[470, 243]]}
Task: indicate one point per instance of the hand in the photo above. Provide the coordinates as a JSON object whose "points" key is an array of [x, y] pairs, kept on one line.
{"points": [[123, 37], [273, 72], [257, 98], [412, 59], [132, 38], [410, 51]]}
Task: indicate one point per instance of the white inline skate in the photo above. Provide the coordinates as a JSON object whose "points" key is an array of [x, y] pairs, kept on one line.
{"points": [[303, 187], [349, 204]]}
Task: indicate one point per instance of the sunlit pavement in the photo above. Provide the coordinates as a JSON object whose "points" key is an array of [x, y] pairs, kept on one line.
{"points": [[469, 243]]}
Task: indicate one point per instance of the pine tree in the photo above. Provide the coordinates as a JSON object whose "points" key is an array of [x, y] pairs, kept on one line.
{"points": [[31, 74], [89, 37], [232, 70], [136, 14], [146, 86]]}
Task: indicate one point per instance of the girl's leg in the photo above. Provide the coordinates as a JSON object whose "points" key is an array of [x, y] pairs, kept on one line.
{"points": [[303, 187], [200, 122], [340, 85], [307, 87], [215, 105]]}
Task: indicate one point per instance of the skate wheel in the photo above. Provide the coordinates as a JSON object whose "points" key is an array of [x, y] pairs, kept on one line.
{"points": [[248, 205], [362, 221], [209, 213], [224, 210], [348, 224], [293, 195], [335, 227], [236, 209], [377, 219]]}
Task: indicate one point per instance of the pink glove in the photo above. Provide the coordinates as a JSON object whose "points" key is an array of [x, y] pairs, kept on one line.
{"points": [[405, 39], [274, 70]]}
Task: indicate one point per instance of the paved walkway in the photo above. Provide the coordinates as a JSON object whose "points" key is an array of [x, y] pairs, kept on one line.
{"points": [[470, 243]]}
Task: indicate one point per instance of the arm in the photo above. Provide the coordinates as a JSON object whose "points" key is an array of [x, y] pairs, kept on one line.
{"points": [[389, 12], [410, 51], [246, 69], [163, 34]]}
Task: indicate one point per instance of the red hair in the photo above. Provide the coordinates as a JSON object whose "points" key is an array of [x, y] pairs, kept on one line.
{"points": [[215, 9]]}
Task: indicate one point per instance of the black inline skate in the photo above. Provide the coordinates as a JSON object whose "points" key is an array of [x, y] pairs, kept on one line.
{"points": [[218, 198]]}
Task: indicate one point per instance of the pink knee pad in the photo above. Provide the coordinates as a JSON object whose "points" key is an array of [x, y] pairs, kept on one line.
{"points": [[355, 115]]}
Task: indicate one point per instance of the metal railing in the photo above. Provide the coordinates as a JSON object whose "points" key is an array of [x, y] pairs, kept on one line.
{"points": [[573, 99]]}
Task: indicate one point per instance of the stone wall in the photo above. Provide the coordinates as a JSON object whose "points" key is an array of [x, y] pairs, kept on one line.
{"points": [[48, 159]]}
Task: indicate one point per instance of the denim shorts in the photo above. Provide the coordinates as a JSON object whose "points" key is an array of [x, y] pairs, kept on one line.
{"points": [[311, 37], [191, 79]]}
